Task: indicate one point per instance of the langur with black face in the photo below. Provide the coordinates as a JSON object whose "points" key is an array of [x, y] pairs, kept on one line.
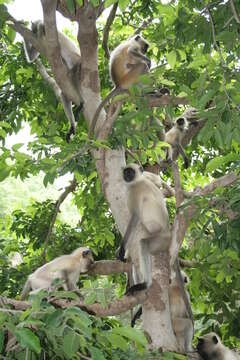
{"points": [[174, 138], [66, 267], [127, 62], [146, 205], [209, 346], [70, 54]]}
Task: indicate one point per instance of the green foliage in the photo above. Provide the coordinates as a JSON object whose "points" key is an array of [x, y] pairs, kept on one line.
{"points": [[69, 333]]}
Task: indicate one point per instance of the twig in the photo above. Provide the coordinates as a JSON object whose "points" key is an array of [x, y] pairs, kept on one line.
{"points": [[218, 49], [143, 26], [83, 356], [234, 11], [11, 311], [62, 197], [109, 22]]}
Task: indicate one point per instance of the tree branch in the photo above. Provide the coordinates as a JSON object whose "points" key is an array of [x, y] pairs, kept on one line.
{"points": [[107, 267], [234, 11], [59, 69], [60, 200], [223, 181], [112, 114], [109, 22], [117, 307]]}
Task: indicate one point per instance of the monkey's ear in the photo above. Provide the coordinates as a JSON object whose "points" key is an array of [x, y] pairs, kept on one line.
{"points": [[215, 339]]}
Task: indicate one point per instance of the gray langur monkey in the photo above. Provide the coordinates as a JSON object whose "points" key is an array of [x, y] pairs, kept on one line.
{"points": [[146, 205], [174, 138], [127, 62], [210, 347], [180, 310], [65, 267], [71, 55]]}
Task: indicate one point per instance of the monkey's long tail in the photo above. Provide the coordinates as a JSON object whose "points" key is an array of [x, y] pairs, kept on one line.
{"points": [[136, 316], [26, 290], [114, 92]]}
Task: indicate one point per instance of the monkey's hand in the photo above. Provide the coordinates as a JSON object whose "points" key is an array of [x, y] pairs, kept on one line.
{"points": [[148, 62], [121, 254]]}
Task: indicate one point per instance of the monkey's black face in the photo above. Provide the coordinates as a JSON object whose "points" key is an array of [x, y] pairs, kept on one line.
{"points": [[85, 253], [206, 348], [185, 279], [181, 121], [129, 174], [144, 45]]}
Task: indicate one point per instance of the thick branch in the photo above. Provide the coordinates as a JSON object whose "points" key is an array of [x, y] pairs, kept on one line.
{"points": [[109, 22], [112, 114], [223, 181], [115, 308], [107, 267], [61, 199], [157, 101]]}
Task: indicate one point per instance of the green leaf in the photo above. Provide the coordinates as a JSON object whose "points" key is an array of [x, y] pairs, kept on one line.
{"points": [[16, 147], [80, 2], [1, 341], [171, 58], [219, 161], [220, 277], [123, 4], [90, 299], [71, 6], [131, 334], [108, 3], [96, 353], [70, 343], [11, 34], [117, 341], [95, 3], [28, 339]]}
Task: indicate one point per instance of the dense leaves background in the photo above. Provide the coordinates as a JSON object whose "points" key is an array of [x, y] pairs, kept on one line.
{"points": [[195, 50]]}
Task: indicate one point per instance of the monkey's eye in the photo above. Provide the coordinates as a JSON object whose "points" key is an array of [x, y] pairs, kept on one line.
{"points": [[86, 253], [138, 37], [215, 339]]}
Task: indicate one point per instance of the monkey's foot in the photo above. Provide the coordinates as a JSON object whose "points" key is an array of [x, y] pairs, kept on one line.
{"points": [[134, 288], [71, 132], [121, 254]]}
